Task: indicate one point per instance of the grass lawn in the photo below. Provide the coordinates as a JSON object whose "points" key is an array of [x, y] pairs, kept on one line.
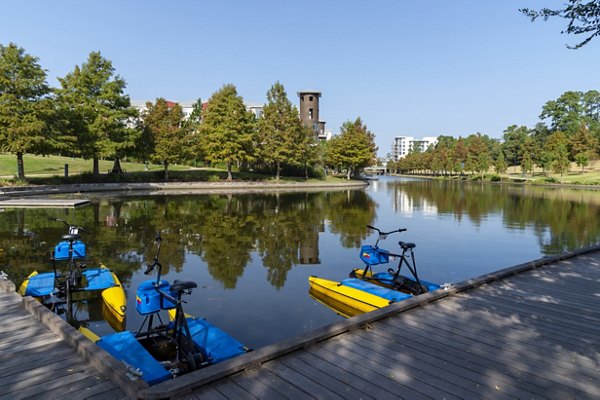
{"points": [[50, 170], [589, 176], [55, 165]]}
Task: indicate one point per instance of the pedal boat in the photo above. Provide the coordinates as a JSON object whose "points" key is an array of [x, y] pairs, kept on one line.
{"points": [[387, 280], [358, 295], [148, 357], [42, 287]]}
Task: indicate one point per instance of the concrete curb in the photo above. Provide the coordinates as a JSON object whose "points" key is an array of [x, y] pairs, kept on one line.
{"points": [[161, 187]]}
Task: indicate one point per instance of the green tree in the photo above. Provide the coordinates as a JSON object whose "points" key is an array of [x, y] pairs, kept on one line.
{"points": [[584, 147], [583, 17], [280, 132], [353, 149], [500, 163], [514, 139], [227, 132], [565, 113], [478, 157], [163, 124], [93, 98], [25, 108], [556, 148], [192, 127], [308, 150]]}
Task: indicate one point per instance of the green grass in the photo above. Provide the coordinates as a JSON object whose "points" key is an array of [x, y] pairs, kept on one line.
{"points": [[55, 165], [40, 170]]}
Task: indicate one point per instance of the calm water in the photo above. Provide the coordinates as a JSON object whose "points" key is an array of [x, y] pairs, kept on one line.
{"points": [[251, 255]]}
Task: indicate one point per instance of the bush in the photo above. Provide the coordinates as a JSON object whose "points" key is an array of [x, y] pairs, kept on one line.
{"points": [[495, 178], [214, 178]]}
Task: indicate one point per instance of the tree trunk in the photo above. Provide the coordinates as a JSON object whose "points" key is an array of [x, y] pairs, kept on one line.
{"points": [[96, 167], [166, 165], [229, 176], [348, 173], [20, 166], [116, 169], [278, 171]]}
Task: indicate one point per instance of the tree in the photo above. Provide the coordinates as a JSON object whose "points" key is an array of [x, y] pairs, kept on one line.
{"points": [[353, 149], [192, 131], [93, 98], [478, 158], [500, 163], [583, 17], [583, 147], [514, 139], [25, 107], [227, 131], [308, 149], [280, 132], [163, 124], [556, 148]]}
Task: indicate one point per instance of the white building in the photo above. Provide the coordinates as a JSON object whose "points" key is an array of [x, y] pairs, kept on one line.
{"points": [[188, 106], [402, 145]]}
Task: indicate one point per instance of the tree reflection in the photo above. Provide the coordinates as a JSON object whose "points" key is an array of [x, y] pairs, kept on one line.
{"points": [[349, 213], [561, 218]]}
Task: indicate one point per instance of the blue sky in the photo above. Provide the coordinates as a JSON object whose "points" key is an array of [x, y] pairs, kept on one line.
{"points": [[417, 68]]}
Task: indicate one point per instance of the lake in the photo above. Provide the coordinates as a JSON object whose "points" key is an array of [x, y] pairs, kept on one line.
{"points": [[252, 254]]}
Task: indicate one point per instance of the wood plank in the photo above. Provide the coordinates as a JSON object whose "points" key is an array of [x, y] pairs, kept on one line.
{"points": [[506, 364], [280, 385], [90, 386], [334, 374], [313, 388], [423, 367], [206, 393], [356, 367], [18, 365], [529, 341], [415, 373], [534, 313], [327, 385], [252, 382], [504, 376], [231, 390]]}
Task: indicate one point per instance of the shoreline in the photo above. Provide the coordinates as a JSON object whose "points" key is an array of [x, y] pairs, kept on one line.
{"points": [[175, 188]]}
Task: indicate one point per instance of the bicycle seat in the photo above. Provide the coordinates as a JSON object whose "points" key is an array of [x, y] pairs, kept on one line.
{"points": [[179, 286], [71, 237], [407, 245]]}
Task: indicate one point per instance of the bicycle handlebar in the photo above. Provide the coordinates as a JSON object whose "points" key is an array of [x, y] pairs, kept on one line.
{"points": [[80, 228], [386, 233]]}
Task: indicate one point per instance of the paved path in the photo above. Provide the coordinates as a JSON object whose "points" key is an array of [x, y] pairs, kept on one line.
{"points": [[535, 334]]}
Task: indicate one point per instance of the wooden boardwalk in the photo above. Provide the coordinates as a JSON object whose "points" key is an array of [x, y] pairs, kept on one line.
{"points": [[530, 331], [42, 357]]}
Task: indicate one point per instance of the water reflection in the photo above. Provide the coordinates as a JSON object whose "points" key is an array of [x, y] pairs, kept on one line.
{"points": [[561, 218], [252, 254], [223, 230]]}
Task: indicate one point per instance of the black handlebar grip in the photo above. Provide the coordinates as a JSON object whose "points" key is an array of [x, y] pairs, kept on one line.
{"points": [[149, 269]]}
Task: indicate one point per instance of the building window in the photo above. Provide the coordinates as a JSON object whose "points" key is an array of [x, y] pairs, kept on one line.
{"points": [[301, 98], [310, 98], [310, 113]]}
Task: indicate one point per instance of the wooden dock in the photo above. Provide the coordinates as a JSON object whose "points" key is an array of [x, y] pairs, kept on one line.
{"points": [[39, 202], [43, 357], [529, 331]]}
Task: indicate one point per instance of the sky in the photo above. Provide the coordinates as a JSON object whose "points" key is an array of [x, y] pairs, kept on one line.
{"points": [[406, 68]]}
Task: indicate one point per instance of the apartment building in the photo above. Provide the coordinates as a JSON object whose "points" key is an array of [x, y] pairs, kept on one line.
{"points": [[402, 145]]}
